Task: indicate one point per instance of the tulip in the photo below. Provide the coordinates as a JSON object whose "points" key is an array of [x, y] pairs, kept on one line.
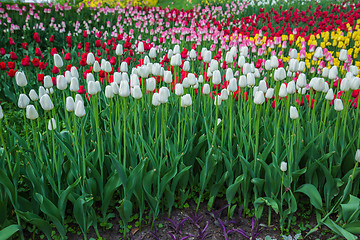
{"points": [[354, 70], [216, 79], [140, 47], [68, 76], [293, 65], [50, 91], [224, 95], [241, 61], [330, 95], [232, 85], [343, 55], [90, 59], [150, 84], [152, 53], [31, 112], [325, 72], [244, 51], [193, 54], [23, 101], [108, 67], [192, 79], [78, 98], [48, 82], [267, 65], [279, 74], [115, 88], [259, 98], [80, 109], [164, 95], [1, 113], [186, 66], [200, 79], [338, 105], [246, 68], [355, 83], [119, 50], [229, 74], [175, 60], [61, 83], [250, 79], [46, 102], [156, 69], [124, 67], [125, 76], [229, 58], [70, 104], [74, 84], [318, 53], [274, 62], [269, 93], [96, 67], [206, 89], [291, 87], [109, 93], [217, 101], [242, 81], [293, 54], [333, 72], [357, 155], [52, 124], [262, 86], [302, 66], [186, 100], [33, 95], [92, 88], [207, 56], [74, 72], [294, 113], [136, 92], [20, 79], [176, 49], [124, 90], [283, 166], [214, 65], [345, 85], [283, 91], [155, 99], [42, 91], [58, 62]]}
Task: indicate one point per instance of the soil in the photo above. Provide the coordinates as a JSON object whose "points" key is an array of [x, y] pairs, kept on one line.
{"points": [[214, 228]]}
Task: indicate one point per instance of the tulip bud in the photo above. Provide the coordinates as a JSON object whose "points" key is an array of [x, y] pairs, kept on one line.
{"points": [[274, 62], [52, 124], [216, 79], [354, 70], [89, 78], [68, 76], [193, 54], [244, 51], [50, 91], [282, 91], [186, 66], [176, 49], [179, 89], [293, 65], [146, 60], [192, 79], [33, 95], [119, 50], [330, 95], [217, 101], [48, 82], [74, 84], [269, 93], [355, 83], [150, 84], [241, 61], [74, 72], [136, 92], [124, 90], [267, 65], [318, 53], [301, 66], [155, 99], [214, 65], [134, 80], [109, 93], [31, 112], [152, 53], [224, 95], [61, 83], [1, 113], [291, 87], [250, 80], [20, 79], [80, 109], [283, 166], [279, 74], [229, 58], [70, 104], [115, 88], [325, 72], [42, 91], [333, 72], [23, 101], [90, 59], [246, 68], [207, 56], [262, 86], [345, 85], [259, 98], [294, 113], [357, 155], [46, 103], [164, 95], [200, 79], [206, 89], [186, 100], [124, 67], [233, 85], [58, 62], [338, 105], [108, 67], [293, 53], [168, 77], [242, 81], [229, 74], [343, 55], [96, 67]]}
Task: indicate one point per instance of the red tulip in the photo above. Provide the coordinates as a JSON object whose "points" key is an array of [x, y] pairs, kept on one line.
{"points": [[84, 34], [42, 65], [52, 38], [35, 62], [55, 70], [36, 37], [113, 60], [53, 51], [3, 66], [11, 41], [98, 43], [2, 51], [40, 77], [11, 65], [11, 73], [81, 89], [38, 52], [13, 56], [25, 46]]}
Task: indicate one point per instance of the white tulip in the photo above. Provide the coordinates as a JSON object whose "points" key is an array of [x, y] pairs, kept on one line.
{"points": [[150, 84], [52, 124], [70, 104], [136, 92], [259, 98], [229, 74], [90, 59], [21, 79], [232, 85], [224, 95], [294, 113], [338, 105], [333, 72], [124, 90], [33, 95], [119, 50], [58, 62], [46, 102], [152, 53], [48, 82], [206, 89], [179, 89], [168, 78], [250, 80], [282, 91], [1, 113], [124, 67], [291, 87], [330, 95], [343, 55], [186, 66], [283, 166], [242, 81], [216, 78], [155, 99], [74, 72], [269, 93], [31, 112], [23, 101], [61, 82], [164, 95], [74, 84], [186, 100], [109, 93], [217, 100], [80, 109], [42, 91], [357, 155]]}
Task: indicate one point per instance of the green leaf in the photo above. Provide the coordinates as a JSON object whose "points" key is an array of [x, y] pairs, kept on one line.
{"points": [[353, 227], [339, 230], [64, 197], [314, 195], [9, 187], [233, 189], [351, 210], [35, 220], [9, 231], [125, 210]]}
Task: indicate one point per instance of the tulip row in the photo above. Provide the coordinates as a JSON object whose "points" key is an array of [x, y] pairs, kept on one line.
{"points": [[164, 120]]}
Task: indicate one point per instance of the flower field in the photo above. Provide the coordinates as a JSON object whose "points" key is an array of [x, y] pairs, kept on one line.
{"points": [[123, 112]]}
